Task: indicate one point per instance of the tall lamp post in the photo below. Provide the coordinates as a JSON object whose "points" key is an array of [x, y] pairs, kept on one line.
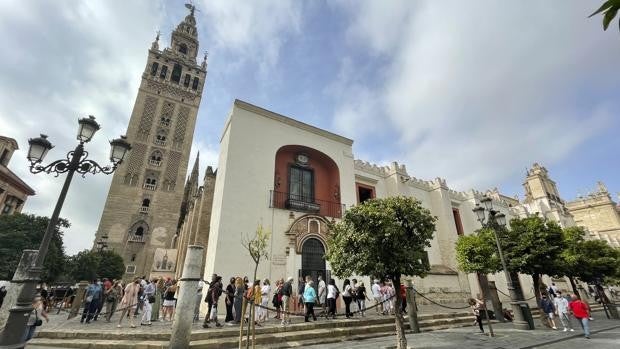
{"points": [[495, 221], [76, 161]]}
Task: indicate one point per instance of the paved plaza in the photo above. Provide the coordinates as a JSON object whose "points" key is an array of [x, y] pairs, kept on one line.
{"points": [[605, 335]]}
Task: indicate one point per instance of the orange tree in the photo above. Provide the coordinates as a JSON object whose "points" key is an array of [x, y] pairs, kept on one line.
{"points": [[384, 238]]}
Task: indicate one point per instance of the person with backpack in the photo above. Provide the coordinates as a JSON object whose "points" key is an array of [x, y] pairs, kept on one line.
{"points": [[546, 305], [209, 300], [347, 296], [361, 297]]}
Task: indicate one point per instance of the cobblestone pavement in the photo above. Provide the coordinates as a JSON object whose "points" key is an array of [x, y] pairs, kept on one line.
{"points": [[506, 338]]}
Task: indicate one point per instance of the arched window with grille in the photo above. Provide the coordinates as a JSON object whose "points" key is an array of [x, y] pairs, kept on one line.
{"points": [[155, 158], [195, 84]]}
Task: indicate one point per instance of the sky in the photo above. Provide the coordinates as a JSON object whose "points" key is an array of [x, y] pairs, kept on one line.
{"points": [[474, 92]]}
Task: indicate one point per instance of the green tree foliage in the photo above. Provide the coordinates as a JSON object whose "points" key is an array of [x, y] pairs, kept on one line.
{"points": [[20, 232], [382, 237], [609, 9], [533, 246], [477, 253], [87, 265]]}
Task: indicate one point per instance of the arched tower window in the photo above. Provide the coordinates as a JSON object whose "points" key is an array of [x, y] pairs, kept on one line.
{"points": [[176, 73], [195, 84], [150, 183], [164, 71], [154, 68], [160, 138], [146, 203], [183, 49], [155, 158], [187, 79], [138, 232]]}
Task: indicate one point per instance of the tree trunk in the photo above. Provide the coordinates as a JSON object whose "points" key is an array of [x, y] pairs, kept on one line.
{"points": [[573, 285], [252, 308], [483, 283], [542, 316], [401, 340]]}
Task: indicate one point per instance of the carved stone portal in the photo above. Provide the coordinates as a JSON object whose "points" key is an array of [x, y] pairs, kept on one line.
{"points": [[305, 227]]}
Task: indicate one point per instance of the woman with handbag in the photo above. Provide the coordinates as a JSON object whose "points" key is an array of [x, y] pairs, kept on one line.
{"points": [[149, 299], [112, 295], [159, 290], [34, 320]]}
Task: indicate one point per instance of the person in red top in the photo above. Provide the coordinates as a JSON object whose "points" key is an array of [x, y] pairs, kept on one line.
{"points": [[403, 296], [581, 311]]}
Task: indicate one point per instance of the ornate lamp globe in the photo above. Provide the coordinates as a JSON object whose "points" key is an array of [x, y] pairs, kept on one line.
{"points": [[119, 149], [88, 127], [487, 202], [38, 148], [479, 211], [500, 218]]}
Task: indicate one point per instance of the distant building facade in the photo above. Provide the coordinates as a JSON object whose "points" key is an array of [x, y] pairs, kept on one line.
{"points": [[13, 190], [142, 209], [599, 214]]}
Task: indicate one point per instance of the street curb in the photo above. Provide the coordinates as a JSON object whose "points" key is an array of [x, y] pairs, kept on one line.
{"points": [[567, 338]]}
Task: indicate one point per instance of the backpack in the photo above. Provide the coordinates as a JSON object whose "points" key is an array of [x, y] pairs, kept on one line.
{"points": [[337, 293]]}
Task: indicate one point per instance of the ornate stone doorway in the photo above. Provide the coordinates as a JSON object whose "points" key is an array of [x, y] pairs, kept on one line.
{"points": [[313, 260]]}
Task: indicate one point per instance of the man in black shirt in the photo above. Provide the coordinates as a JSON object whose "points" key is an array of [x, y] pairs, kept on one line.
{"points": [[287, 290]]}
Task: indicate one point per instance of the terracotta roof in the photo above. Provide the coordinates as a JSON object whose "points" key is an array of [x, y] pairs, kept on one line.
{"points": [[10, 177]]}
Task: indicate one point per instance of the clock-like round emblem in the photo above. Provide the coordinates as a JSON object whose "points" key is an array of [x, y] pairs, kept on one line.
{"points": [[302, 159]]}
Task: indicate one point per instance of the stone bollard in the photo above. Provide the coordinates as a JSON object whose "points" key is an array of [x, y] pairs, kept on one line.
{"points": [[78, 300], [414, 326], [497, 304], [184, 315]]}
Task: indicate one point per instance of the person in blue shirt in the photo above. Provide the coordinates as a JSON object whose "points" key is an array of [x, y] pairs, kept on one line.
{"points": [[93, 296], [309, 300]]}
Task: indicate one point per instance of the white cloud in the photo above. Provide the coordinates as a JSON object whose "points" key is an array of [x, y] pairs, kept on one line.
{"points": [[476, 91], [67, 59]]}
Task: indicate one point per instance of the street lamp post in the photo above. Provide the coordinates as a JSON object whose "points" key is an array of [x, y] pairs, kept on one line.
{"points": [[494, 221], [76, 161]]}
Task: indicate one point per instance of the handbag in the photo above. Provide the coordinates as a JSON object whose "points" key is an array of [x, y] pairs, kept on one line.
{"points": [[152, 299], [37, 322], [89, 299]]}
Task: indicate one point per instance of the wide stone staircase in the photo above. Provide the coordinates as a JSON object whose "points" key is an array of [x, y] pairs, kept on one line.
{"points": [[269, 336], [273, 336]]}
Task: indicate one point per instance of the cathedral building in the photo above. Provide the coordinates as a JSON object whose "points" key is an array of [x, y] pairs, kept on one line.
{"points": [[143, 206], [599, 214]]}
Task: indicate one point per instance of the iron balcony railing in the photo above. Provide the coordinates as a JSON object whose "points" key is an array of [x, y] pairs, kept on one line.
{"points": [[136, 238], [301, 203]]}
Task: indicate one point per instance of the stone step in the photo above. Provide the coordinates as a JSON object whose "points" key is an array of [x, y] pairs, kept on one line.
{"points": [[200, 334], [276, 336]]}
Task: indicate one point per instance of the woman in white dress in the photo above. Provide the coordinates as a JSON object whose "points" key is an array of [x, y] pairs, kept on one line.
{"points": [[263, 313]]}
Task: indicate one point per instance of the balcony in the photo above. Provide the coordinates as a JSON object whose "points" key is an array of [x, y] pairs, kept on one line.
{"points": [[154, 162], [136, 238], [144, 209], [159, 142], [305, 204], [150, 186]]}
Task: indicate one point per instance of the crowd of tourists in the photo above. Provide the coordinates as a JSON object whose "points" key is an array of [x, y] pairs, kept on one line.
{"points": [[284, 301], [554, 305], [155, 300]]}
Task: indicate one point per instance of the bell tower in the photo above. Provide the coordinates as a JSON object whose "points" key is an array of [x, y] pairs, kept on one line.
{"points": [[142, 209]]}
